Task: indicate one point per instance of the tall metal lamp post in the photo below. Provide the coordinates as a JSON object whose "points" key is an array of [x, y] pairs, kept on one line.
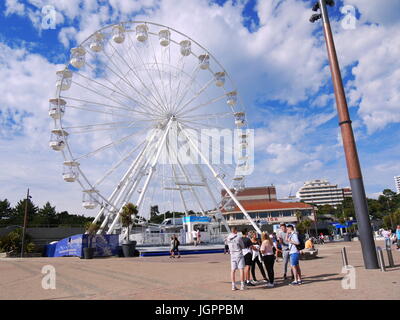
{"points": [[25, 222], [349, 144]]}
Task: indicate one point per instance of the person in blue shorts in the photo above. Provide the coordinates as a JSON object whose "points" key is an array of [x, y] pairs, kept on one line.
{"points": [[294, 254]]}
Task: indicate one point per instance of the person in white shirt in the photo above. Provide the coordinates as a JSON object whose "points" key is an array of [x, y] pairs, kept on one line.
{"points": [[386, 235], [236, 246], [294, 255]]}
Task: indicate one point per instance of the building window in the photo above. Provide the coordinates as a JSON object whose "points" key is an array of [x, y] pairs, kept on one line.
{"points": [[253, 215], [239, 216]]}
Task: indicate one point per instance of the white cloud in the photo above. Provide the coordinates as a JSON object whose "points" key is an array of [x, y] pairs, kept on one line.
{"points": [[66, 35], [14, 7], [373, 51]]}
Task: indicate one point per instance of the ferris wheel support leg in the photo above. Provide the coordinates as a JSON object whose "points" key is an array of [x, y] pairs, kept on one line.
{"points": [[191, 188], [180, 192], [131, 189], [132, 182], [153, 164], [219, 179], [152, 168], [212, 197], [122, 185]]}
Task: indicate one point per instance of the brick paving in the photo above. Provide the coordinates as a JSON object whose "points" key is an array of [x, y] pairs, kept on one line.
{"points": [[193, 277]]}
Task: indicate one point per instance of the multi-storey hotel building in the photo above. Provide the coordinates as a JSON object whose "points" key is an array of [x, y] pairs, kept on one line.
{"points": [[321, 192]]}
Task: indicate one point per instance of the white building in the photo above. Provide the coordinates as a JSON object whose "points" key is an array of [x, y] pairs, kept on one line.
{"points": [[397, 183], [321, 192]]}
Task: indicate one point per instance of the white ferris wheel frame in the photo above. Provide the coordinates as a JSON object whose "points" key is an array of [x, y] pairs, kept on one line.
{"points": [[146, 160]]}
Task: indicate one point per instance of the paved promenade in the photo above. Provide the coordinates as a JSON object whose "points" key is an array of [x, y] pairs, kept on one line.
{"points": [[192, 277]]}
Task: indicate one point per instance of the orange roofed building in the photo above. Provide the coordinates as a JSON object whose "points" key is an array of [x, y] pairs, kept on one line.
{"points": [[262, 205]]}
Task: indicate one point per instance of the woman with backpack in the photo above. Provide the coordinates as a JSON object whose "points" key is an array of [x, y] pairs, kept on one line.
{"points": [[268, 256]]}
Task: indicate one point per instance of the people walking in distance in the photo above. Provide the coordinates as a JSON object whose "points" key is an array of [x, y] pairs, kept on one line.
{"points": [[285, 249], [321, 238], [267, 251], [398, 237], [198, 236], [174, 247], [226, 247], [294, 254], [194, 235], [386, 233], [247, 254], [236, 245], [256, 258]]}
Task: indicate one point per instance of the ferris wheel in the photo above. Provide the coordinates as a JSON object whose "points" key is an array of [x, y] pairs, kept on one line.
{"points": [[131, 112]]}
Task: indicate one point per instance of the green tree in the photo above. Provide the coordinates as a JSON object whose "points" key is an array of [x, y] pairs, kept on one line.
{"points": [[326, 210], [6, 211], [128, 211], [13, 240], [18, 213], [46, 216], [91, 229]]}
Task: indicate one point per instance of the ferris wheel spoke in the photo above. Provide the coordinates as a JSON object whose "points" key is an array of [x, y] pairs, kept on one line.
{"points": [[109, 106], [124, 79], [106, 146], [136, 74], [199, 125], [121, 105], [115, 91], [98, 125], [103, 112], [119, 91], [149, 76], [181, 96], [115, 167], [161, 78], [175, 92], [208, 116], [204, 104], [83, 131], [197, 94], [170, 75], [137, 91]]}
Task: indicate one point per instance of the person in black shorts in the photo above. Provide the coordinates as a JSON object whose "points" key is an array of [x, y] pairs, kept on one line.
{"points": [[248, 255]]}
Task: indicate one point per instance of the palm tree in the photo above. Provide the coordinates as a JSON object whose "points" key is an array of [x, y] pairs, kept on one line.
{"points": [[307, 225], [299, 215], [91, 229], [128, 211]]}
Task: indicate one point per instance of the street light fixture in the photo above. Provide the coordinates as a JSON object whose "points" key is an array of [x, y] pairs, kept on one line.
{"points": [[349, 144]]}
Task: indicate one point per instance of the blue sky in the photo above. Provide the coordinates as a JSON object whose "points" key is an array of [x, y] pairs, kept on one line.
{"points": [[276, 57]]}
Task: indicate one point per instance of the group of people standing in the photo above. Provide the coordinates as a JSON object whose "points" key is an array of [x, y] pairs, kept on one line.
{"points": [[250, 250], [391, 237]]}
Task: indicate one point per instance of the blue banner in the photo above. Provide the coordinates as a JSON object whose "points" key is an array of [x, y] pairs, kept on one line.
{"points": [[196, 219], [105, 246], [337, 225]]}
